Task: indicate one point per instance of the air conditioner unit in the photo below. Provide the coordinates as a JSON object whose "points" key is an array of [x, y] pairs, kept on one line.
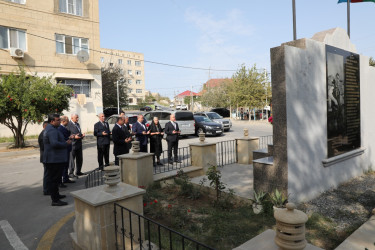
{"points": [[16, 53]]}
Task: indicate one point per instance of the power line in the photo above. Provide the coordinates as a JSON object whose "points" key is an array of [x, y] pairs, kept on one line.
{"points": [[147, 61]]}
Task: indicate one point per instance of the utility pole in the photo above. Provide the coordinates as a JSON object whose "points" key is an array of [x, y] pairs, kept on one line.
{"points": [[294, 20], [348, 16], [118, 99]]}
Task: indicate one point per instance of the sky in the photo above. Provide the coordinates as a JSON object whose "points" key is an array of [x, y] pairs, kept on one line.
{"points": [[219, 34]]}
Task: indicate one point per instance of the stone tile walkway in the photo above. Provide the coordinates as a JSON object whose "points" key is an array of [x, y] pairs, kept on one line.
{"points": [[237, 177]]}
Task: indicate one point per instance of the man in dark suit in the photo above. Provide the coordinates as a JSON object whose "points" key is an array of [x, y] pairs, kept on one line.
{"points": [[41, 149], [62, 128], [76, 154], [172, 131], [54, 157], [103, 135], [140, 131], [121, 139]]}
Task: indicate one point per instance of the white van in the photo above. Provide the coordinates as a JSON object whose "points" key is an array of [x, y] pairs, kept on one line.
{"points": [[185, 120]]}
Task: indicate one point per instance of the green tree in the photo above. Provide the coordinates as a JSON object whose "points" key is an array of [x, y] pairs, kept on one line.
{"points": [[216, 96], [110, 76], [26, 99], [249, 88], [372, 61]]}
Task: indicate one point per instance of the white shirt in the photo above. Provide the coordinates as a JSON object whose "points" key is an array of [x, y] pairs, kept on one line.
{"points": [[142, 125]]}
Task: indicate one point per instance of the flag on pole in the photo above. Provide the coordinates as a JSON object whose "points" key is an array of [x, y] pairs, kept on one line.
{"points": [[356, 1]]}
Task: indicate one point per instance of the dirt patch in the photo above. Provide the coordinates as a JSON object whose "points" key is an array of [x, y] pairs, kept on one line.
{"points": [[11, 149]]}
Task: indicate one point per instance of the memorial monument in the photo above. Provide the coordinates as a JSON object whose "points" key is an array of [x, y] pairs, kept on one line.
{"points": [[322, 114]]}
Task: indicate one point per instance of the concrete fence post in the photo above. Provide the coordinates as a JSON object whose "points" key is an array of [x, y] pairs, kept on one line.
{"points": [[203, 154]]}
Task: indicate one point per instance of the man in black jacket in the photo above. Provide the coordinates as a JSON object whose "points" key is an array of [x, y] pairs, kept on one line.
{"points": [[41, 148], [102, 133], [172, 131], [76, 153], [121, 139]]}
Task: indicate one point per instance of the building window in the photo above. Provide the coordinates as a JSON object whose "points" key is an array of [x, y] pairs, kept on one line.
{"points": [[138, 91], [130, 81], [130, 72], [129, 90], [71, 45], [138, 82], [138, 72], [121, 71], [102, 59], [73, 7], [79, 86], [129, 62], [137, 63], [119, 61], [130, 100], [17, 1], [139, 100], [110, 64], [12, 38]]}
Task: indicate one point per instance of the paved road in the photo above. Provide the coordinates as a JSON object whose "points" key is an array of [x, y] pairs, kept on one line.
{"points": [[26, 215]]}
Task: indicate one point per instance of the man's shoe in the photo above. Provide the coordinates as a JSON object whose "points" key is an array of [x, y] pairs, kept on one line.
{"points": [[69, 181], [72, 176], [46, 193], [59, 203], [79, 174], [62, 196], [160, 164], [62, 185], [177, 161]]}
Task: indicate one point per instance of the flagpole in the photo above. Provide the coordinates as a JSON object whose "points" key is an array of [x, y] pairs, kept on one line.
{"points": [[294, 20], [348, 16]]}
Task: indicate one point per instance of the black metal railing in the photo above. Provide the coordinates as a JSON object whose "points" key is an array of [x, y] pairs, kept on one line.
{"points": [[265, 140], [184, 160], [94, 178], [226, 152], [135, 231]]}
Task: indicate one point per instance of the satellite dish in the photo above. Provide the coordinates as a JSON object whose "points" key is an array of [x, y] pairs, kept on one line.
{"points": [[83, 56]]}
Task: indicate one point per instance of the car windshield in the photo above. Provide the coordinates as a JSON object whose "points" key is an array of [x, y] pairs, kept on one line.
{"points": [[202, 119], [214, 116]]}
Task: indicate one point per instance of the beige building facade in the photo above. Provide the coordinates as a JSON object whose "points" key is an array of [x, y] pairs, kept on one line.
{"points": [[132, 64], [50, 34]]}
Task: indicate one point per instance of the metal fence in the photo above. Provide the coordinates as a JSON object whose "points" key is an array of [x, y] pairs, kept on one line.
{"points": [[265, 140], [183, 157], [135, 231], [94, 178], [226, 152]]}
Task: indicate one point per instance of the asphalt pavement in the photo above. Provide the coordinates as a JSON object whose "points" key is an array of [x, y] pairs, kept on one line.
{"points": [[26, 215]]}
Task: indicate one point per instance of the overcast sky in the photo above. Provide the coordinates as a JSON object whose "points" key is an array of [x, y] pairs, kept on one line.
{"points": [[219, 34]]}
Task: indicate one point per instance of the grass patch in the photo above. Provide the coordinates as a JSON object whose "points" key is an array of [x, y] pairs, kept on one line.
{"points": [[11, 139]]}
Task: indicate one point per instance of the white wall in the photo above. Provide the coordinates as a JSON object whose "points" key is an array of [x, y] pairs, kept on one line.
{"points": [[307, 121]]}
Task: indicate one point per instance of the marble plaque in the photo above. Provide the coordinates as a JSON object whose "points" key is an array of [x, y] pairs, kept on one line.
{"points": [[343, 101]]}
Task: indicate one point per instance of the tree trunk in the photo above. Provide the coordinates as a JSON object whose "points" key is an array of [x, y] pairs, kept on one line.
{"points": [[19, 139]]}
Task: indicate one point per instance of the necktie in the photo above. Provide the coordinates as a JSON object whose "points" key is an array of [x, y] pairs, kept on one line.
{"points": [[77, 125]]}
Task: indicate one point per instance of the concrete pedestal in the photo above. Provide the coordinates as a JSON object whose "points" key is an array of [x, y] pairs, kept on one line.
{"points": [[245, 148], [94, 225], [137, 169], [203, 155]]}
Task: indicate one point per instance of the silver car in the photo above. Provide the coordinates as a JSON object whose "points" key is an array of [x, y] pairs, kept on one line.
{"points": [[227, 124], [185, 120]]}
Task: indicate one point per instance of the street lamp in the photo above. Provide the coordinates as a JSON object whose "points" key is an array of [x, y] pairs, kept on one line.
{"points": [[118, 94]]}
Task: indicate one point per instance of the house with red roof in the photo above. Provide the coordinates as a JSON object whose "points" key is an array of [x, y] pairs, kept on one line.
{"points": [[179, 99]]}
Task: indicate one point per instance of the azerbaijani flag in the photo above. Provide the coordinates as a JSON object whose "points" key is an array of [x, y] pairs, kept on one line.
{"points": [[356, 1]]}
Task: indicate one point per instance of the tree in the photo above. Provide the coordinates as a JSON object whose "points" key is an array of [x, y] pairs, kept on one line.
{"points": [[372, 61], [28, 99], [110, 76], [248, 88], [216, 96]]}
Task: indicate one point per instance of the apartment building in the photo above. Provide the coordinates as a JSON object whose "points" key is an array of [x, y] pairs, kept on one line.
{"points": [[45, 37], [132, 65]]}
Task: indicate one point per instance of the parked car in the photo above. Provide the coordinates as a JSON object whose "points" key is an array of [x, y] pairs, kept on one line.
{"points": [[184, 107], [178, 107], [205, 125], [111, 111], [171, 105], [146, 108], [185, 120], [227, 124], [221, 111]]}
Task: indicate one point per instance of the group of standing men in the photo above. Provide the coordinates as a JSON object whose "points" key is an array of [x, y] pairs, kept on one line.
{"points": [[122, 138], [60, 145]]}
